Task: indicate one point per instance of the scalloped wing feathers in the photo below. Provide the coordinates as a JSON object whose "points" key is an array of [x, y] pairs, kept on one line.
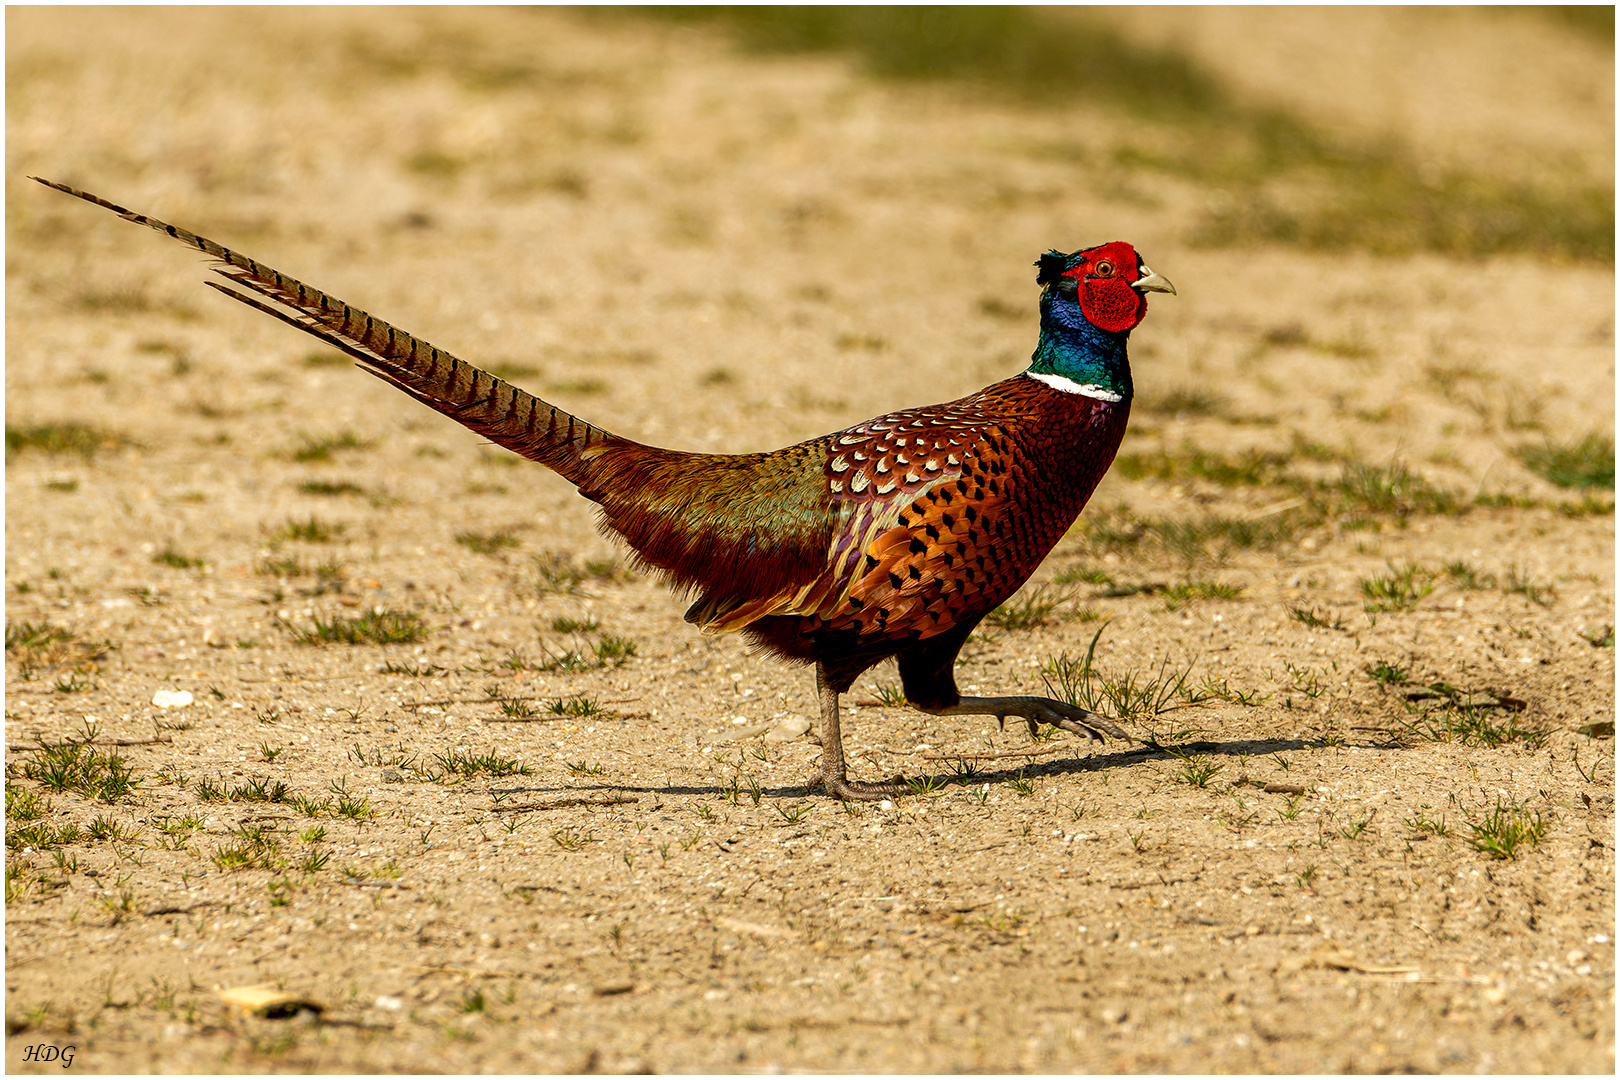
{"points": [[940, 513]]}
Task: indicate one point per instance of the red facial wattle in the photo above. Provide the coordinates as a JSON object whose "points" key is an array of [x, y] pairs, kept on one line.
{"points": [[1106, 297]]}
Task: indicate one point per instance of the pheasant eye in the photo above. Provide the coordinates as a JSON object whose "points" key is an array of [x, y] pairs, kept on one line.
{"points": [[1104, 268]]}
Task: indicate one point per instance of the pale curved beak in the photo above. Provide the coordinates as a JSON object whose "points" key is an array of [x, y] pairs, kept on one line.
{"points": [[1151, 282]]}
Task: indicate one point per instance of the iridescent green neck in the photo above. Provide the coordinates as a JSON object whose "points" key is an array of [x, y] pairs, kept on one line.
{"points": [[1071, 348]]}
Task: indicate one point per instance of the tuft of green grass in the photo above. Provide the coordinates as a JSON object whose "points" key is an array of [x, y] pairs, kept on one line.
{"points": [[517, 708], [42, 837], [1217, 689], [170, 557], [1196, 769], [258, 789], [33, 637], [1126, 696], [1180, 594], [890, 695], [571, 839], [918, 785], [57, 439], [288, 566], [1399, 590], [313, 862], [1029, 608], [578, 705], [1387, 489], [554, 573], [308, 805], [488, 543], [380, 626], [72, 683], [567, 625], [606, 569], [615, 650], [466, 764], [310, 531], [1072, 574], [1587, 507], [23, 805], [418, 671], [77, 766], [234, 857], [1422, 822], [1507, 828], [1445, 713], [1022, 785], [1519, 581], [512, 370], [330, 487], [355, 808], [1310, 618], [1585, 463], [1384, 673], [1465, 575], [320, 447]]}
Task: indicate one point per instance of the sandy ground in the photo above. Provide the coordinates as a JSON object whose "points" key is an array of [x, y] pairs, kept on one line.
{"points": [[718, 252]]}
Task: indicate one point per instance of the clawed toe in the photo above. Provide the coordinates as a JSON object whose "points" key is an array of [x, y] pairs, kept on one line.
{"points": [[1094, 728], [843, 790], [1036, 711]]}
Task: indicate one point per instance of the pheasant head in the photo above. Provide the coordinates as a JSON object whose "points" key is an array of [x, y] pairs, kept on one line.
{"points": [[1090, 302]]}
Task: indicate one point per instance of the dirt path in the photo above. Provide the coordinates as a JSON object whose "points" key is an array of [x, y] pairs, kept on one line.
{"points": [[721, 252]]}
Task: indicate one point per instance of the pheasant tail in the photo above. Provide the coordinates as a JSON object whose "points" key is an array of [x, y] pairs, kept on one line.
{"points": [[490, 406]]}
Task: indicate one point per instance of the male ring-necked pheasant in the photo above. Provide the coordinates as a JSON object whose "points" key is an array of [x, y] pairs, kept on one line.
{"points": [[892, 538]]}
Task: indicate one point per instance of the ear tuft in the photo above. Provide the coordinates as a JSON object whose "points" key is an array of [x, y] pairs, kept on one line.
{"points": [[1051, 265]]}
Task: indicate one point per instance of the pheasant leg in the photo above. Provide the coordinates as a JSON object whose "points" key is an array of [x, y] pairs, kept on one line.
{"points": [[832, 751]]}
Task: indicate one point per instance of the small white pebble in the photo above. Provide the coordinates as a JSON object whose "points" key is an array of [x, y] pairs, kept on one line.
{"points": [[886, 804], [172, 699]]}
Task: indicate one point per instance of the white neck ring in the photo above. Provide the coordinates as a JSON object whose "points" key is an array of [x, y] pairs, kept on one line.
{"points": [[1069, 386]]}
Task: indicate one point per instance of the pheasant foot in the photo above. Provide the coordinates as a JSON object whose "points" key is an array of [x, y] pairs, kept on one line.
{"points": [[846, 791], [1037, 711]]}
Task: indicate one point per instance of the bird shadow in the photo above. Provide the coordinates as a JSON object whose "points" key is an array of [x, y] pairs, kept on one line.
{"points": [[956, 770]]}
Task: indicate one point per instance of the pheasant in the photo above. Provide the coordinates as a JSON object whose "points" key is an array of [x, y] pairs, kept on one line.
{"points": [[892, 538]]}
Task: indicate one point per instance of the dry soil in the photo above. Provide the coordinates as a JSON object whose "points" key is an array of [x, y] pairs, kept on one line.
{"points": [[722, 252]]}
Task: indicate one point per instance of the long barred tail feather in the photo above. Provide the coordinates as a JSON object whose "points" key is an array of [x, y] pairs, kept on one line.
{"points": [[729, 526], [472, 397]]}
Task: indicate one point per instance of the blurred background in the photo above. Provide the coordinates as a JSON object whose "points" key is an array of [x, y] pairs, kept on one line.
{"points": [[1466, 131], [730, 228]]}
